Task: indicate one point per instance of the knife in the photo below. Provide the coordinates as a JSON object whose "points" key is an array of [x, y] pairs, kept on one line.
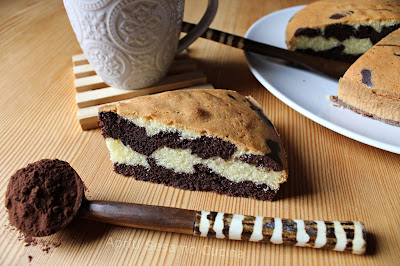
{"points": [[328, 67]]}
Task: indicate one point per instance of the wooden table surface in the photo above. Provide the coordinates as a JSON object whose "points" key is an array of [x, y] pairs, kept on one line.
{"points": [[331, 177]]}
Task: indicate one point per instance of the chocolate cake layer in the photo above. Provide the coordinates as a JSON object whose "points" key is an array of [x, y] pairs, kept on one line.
{"points": [[270, 161], [204, 179], [134, 136], [344, 31], [335, 53], [339, 102]]}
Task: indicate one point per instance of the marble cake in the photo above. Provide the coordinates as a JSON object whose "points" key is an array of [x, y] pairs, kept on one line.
{"points": [[207, 140], [342, 30], [371, 86]]}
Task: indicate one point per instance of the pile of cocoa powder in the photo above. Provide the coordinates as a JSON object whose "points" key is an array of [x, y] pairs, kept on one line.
{"points": [[43, 197]]}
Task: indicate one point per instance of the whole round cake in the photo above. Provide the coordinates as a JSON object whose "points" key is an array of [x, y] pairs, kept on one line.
{"points": [[342, 30], [207, 140]]}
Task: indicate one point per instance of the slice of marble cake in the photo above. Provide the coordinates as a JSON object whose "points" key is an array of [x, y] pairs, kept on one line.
{"points": [[207, 140], [342, 30], [371, 86]]}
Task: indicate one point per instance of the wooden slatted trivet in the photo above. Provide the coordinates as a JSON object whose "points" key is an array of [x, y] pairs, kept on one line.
{"points": [[92, 92]]}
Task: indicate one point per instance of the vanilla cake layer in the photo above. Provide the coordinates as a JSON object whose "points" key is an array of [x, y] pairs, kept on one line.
{"points": [[342, 30], [183, 161], [198, 143]]}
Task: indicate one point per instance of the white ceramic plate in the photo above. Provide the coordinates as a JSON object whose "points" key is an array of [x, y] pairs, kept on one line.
{"points": [[307, 93]]}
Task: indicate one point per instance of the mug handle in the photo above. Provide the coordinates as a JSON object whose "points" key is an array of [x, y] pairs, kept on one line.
{"points": [[201, 27]]}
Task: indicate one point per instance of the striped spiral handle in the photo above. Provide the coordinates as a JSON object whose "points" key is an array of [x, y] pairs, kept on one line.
{"points": [[219, 36], [334, 235], [339, 236]]}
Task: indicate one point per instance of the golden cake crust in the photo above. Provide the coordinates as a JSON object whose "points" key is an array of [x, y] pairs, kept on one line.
{"points": [[372, 83], [221, 113], [319, 14]]}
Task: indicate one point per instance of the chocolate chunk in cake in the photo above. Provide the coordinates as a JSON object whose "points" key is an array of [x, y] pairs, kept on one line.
{"points": [[341, 30], [371, 85], [207, 140]]}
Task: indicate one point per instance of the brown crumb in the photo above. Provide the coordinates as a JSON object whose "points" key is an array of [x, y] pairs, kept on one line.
{"points": [[45, 245], [30, 241], [30, 258], [47, 249]]}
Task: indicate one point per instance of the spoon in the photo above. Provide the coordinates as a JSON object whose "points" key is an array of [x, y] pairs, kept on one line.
{"points": [[349, 236], [331, 68]]}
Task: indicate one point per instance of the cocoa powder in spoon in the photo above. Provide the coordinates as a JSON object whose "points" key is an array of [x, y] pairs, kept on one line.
{"points": [[43, 197]]}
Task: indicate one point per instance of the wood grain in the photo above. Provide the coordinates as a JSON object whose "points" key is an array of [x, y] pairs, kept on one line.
{"points": [[331, 177]]}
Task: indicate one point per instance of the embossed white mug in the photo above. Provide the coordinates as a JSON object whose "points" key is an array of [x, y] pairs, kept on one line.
{"points": [[131, 43]]}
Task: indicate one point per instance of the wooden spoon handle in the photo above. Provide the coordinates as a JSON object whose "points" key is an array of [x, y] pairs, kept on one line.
{"points": [[339, 236], [139, 216], [332, 68]]}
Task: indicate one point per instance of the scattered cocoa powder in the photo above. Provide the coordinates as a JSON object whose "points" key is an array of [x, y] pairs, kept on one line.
{"points": [[30, 241], [45, 245], [43, 197]]}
